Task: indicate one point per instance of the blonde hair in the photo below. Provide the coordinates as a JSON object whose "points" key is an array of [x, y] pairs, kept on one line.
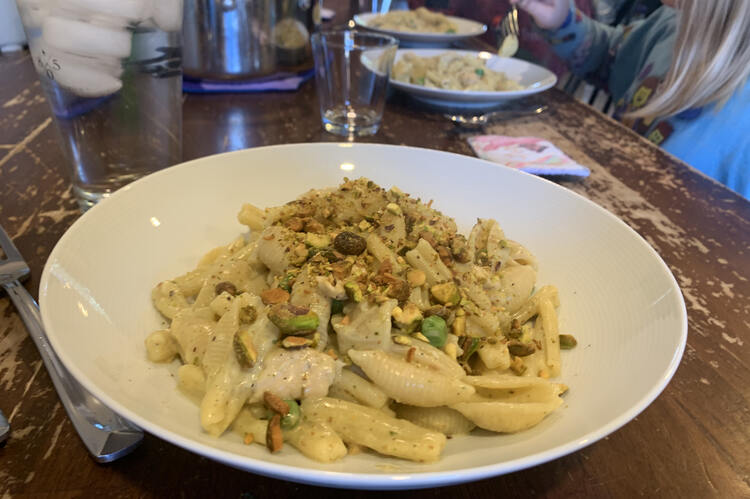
{"points": [[711, 58]]}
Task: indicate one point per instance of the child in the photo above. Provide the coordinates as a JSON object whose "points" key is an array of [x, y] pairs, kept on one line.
{"points": [[679, 77], [533, 45]]}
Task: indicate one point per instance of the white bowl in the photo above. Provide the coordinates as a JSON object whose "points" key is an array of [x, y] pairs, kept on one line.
{"points": [[465, 28], [618, 298], [533, 78]]}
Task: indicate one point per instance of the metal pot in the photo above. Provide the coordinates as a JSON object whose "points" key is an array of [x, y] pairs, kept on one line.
{"points": [[225, 39]]}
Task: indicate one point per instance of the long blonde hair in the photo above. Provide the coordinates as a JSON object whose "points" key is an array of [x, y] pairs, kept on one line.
{"points": [[711, 58]]}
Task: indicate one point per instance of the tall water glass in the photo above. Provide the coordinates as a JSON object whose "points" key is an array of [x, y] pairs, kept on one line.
{"points": [[111, 71], [351, 74]]}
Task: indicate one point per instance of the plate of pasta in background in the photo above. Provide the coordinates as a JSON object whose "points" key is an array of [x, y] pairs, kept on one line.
{"points": [[421, 27], [362, 316], [452, 78]]}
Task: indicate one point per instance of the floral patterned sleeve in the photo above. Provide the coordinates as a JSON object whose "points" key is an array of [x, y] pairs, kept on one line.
{"points": [[612, 57], [586, 44]]}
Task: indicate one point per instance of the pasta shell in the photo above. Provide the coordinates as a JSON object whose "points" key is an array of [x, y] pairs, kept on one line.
{"points": [[510, 388], [373, 429], [506, 417], [443, 419], [431, 357], [408, 382], [317, 441], [219, 349], [516, 283]]}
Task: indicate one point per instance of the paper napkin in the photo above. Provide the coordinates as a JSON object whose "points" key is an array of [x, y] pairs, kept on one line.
{"points": [[530, 154]]}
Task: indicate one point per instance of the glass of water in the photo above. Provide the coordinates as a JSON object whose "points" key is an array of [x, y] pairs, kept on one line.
{"points": [[351, 74], [112, 73]]}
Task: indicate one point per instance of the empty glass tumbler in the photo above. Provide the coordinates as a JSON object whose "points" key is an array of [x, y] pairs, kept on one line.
{"points": [[351, 74]]}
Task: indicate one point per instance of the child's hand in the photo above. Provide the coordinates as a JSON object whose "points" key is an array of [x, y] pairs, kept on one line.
{"points": [[548, 14]]}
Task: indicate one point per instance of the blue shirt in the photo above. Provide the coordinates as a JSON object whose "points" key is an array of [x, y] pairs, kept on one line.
{"points": [[631, 61]]}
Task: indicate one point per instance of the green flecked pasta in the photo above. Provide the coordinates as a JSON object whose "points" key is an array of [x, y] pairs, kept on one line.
{"points": [[373, 429], [169, 299], [443, 419], [426, 259], [361, 390]]}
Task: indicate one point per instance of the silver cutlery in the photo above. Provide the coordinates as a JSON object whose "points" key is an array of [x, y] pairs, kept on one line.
{"points": [[105, 434], [483, 119], [4, 428], [510, 31]]}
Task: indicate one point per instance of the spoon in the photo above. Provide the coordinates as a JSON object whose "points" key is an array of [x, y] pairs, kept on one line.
{"points": [[483, 119]]}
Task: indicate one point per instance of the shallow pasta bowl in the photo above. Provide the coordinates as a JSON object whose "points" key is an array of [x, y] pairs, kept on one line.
{"points": [[534, 79], [465, 28], [617, 297]]}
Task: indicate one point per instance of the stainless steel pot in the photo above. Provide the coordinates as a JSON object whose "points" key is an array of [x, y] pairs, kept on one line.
{"points": [[225, 39]]}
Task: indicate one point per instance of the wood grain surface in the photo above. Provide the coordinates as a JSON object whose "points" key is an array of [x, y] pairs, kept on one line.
{"points": [[693, 441]]}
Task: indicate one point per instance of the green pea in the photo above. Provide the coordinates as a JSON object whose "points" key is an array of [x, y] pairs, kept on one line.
{"points": [[435, 329], [291, 418]]}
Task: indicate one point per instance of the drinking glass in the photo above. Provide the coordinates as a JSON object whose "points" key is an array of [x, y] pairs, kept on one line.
{"points": [[111, 72], [351, 74]]}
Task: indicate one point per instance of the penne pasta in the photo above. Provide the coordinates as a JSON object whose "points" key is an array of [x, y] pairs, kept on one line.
{"points": [[360, 390], [551, 336]]}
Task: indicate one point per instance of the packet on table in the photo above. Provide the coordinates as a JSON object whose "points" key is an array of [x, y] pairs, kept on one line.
{"points": [[529, 154]]}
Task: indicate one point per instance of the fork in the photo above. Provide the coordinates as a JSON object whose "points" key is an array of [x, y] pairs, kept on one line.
{"points": [[106, 435], [510, 31], [471, 121]]}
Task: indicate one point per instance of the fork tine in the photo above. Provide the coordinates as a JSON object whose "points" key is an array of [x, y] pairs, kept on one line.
{"points": [[509, 24], [11, 252], [505, 28], [514, 21]]}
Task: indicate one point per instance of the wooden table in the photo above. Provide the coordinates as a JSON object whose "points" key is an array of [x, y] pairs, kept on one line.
{"points": [[693, 441]]}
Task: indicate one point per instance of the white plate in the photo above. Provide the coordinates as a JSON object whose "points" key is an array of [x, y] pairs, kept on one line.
{"points": [[618, 298], [465, 28], [534, 79]]}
